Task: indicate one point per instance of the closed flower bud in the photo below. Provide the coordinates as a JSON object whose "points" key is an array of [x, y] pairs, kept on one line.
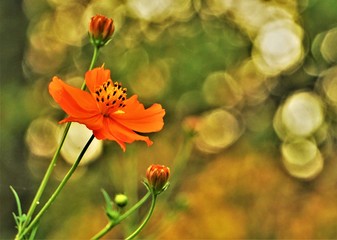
{"points": [[101, 29], [157, 176], [121, 200]]}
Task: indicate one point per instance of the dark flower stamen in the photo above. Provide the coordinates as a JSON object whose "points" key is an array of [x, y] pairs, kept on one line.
{"points": [[112, 95]]}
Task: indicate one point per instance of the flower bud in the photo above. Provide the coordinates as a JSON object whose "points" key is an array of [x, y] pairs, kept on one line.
{"points": [[157, 176], [101, 29], [121, 200]]}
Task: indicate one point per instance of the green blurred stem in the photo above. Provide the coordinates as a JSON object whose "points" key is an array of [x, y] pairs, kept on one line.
{"points": [[113, 223], [45, 179], [59, 188], [149, 214], [52, 164], [92, 64]]}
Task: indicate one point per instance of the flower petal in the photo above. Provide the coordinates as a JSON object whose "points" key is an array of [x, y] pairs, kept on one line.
{"points": [[78, 104], [103, 134], [96, 77], [139, 119], [114, 131], [93, 122]]}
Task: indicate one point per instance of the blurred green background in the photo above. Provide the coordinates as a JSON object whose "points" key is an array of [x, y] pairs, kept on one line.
{"points": [[250, 92]]}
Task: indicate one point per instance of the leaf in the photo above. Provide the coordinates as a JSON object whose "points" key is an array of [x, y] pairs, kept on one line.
{"points": [[110, 212], [108, 200], [17, 199], [20, 218], [16, 219]]}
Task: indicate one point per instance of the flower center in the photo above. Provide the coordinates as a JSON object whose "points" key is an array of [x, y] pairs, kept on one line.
{"points": [[110, 97]]}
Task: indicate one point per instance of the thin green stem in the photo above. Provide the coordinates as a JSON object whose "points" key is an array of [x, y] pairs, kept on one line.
{"points": [[137, 231], [92, 64], [46, 177], [94, 58], [111, 224], [59, 188], [52, 164]]}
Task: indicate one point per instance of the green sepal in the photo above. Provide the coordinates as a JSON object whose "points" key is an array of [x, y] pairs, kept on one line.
{"points": [[147, 185], [153, 191], [167, 184], [97, 42]]}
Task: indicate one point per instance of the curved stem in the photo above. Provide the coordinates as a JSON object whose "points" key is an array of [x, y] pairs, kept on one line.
{"points": [[59, 188], [135, 233], [111, 224]]}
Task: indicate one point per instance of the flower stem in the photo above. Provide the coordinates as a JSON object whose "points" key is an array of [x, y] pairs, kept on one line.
{"points": [[59, 188], [94, 58], [52, 164], [111, 224], [92, 64], [45, 178], [153, 203]]}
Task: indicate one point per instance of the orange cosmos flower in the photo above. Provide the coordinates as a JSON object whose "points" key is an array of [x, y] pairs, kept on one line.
{"points": [[106, 110]]}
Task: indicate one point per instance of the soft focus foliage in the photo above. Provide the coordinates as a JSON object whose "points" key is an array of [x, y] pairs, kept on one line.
{"points": [[250, 93]]}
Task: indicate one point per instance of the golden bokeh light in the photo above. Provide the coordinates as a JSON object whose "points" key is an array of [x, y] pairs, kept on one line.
{"points": [[328, 47], [151, 80], [44, 47], [301, 115], [327, 85], [252, 82], [217, 130], [251, 15], [72, 17], [42, 137], [220, 89], [150, 10], [278, 47], [154, 11], [302, 158]]}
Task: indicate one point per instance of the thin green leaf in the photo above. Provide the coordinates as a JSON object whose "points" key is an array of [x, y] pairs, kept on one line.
{"points": [[110, 212], [16, 219], [17, 199], [108, 201]]}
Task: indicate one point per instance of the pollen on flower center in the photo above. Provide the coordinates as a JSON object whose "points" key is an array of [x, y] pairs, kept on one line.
{"points": [[110, 97]]}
